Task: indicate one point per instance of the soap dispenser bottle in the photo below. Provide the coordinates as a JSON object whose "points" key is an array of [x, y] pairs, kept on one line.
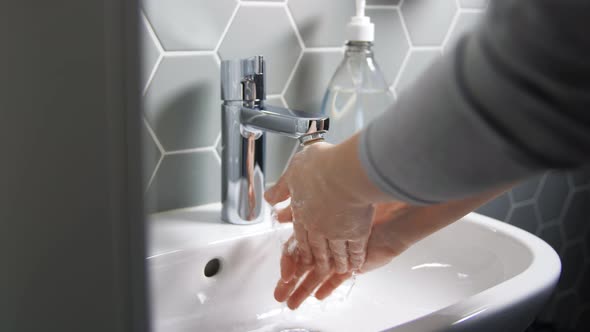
{"points": [[357, 92]]}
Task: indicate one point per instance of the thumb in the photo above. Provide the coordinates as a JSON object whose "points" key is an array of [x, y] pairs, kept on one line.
{"points": [[278, 193]]}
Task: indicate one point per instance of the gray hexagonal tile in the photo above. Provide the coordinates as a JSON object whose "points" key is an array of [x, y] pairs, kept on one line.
{"points": [[524, 217], [553, 195], [312, 75], [572, 262], [577, 216], [189, 24], [476, 4], [278, 150], [583, 321], [391, 44], [526, 190], [497, 208], [186, 179], [564, 310], [150, 155], [417, 63], [383, 2], [322, 24], [552, 235], [182, 104], [466, 22], [428, 21], [264, 31], [581, 176], [149, 52]]}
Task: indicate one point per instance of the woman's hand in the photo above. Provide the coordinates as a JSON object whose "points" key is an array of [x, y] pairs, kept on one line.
{"points": [[396, 227], [331, 206]]}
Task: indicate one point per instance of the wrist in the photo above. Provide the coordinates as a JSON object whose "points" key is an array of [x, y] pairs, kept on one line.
{"points": [[350, 175]]}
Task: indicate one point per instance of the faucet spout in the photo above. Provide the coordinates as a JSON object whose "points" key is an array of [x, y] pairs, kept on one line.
{"points": [[292, 123]]}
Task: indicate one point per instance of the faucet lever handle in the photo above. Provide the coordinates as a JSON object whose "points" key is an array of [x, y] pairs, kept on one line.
{"points": [[244, 79]]}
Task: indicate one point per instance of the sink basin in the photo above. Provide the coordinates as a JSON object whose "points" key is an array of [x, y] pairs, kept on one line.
{"points": [[478, 274]]}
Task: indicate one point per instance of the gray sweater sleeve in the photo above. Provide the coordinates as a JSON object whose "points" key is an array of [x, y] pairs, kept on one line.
{"points": [[512, 99]]}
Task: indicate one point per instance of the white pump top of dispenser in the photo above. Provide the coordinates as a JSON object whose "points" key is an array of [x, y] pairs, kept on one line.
{"points": [[360, 27]]}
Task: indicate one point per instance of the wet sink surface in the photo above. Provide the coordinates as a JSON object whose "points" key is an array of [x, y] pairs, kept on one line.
{"points": [[461, 277]]}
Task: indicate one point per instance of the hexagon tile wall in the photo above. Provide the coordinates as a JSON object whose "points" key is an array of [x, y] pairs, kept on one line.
{"points": [[185, 40]]}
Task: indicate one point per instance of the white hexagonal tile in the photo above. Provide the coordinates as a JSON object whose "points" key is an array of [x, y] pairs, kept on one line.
{"points": [[466, 22], [183, 25], [428, 21], [149, 52], [182, 104], [417, 63], [391, 44], [184, 180], [264, 31], [310, 81], [322, 24]]}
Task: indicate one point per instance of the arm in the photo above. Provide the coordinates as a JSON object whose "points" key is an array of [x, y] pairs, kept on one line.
{"points": [[511, 100]]}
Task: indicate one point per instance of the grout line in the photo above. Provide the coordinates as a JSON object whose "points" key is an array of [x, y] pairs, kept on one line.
{"points": [[149, 184], [276, 95], [152, 33], [426, 48], [186, 151], [284, 101], [153, 135], [294, 26], [217, 156], [152, 74], [262, 4], [324, 49], [188, 53], [404, 26], [226, 29], [217, 141], [383, 7], [402, 69], [291, 75], [451, 30]]}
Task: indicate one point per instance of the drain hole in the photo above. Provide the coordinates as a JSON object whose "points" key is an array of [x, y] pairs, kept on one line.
{"points": [[212, 267]]}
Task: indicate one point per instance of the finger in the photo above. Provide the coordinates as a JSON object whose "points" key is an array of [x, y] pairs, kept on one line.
{"points": [[284, 289], [303, 248], [339, 255], [319, 249], [289, 260], [331, 284], [357, 250], [277, 193], [283, 215], [304, 290]]}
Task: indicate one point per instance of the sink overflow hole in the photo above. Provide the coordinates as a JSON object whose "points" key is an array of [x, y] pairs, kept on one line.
{"points": [[212, 267]]}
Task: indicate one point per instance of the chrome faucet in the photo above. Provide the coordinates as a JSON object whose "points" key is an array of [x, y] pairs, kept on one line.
{"points": [[245, 119]]}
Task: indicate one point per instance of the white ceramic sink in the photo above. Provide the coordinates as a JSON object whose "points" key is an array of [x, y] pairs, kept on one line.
{"points": [[478, 274]]}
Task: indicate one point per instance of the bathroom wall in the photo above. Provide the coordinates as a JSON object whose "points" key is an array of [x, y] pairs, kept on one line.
{"points": [[302, 40]]}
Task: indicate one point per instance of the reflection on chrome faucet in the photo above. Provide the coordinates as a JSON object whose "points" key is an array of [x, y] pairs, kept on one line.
{"points": [[245, 119]]}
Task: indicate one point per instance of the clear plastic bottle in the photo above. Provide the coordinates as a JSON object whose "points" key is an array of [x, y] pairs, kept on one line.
{"points": [[357, 92]]}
